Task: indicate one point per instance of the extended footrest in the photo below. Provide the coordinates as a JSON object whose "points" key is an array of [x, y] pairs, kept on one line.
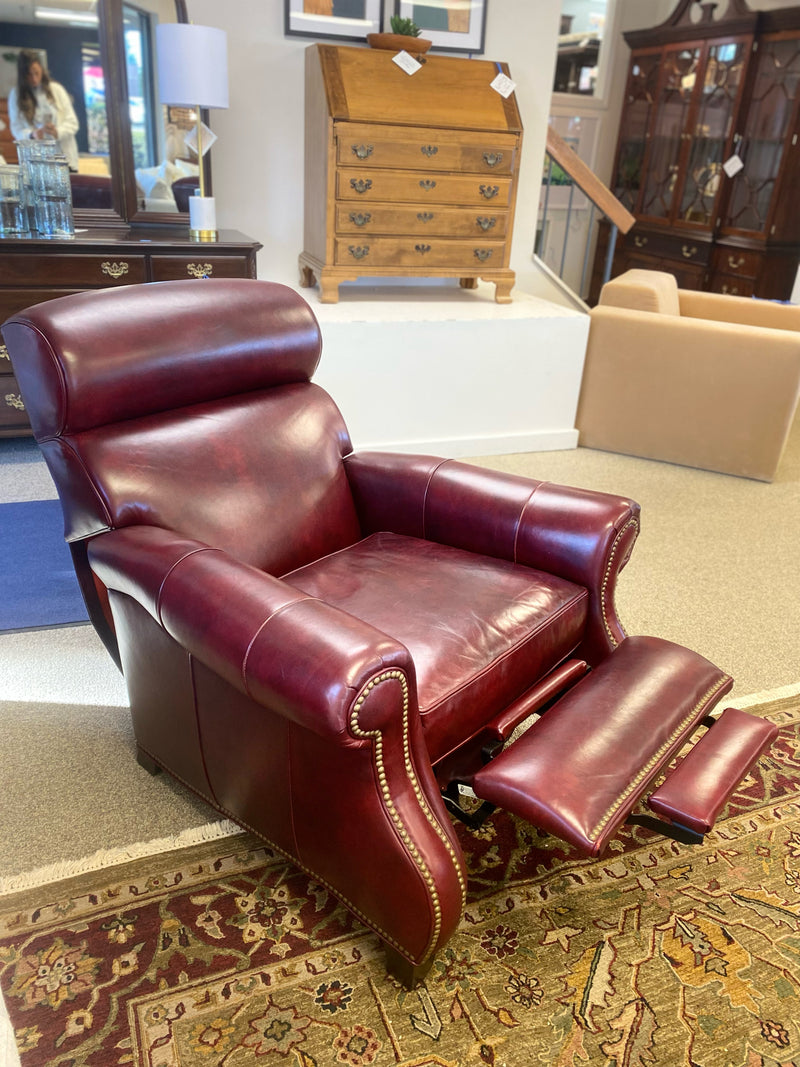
{"points": [[696, 791], [579, 771]]}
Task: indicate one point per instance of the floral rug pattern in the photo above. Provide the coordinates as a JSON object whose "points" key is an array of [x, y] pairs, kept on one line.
{"points": [[658, 955]]}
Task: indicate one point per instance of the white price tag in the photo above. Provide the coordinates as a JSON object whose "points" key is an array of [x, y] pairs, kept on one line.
{"points": [[503, 85], [732, 166], [406, 62]]}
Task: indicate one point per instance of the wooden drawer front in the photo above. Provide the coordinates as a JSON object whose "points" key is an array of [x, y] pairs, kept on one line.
{"points": [[367, 185], [683, 249], [426, 150], [87, 272], [420, 221], [739, 263], [420, 254], [14, 300], [732, 285], [12, 409], [173, 268]]}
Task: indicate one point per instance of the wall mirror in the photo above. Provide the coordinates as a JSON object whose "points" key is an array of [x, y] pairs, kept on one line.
{"points": [[130, 146]]}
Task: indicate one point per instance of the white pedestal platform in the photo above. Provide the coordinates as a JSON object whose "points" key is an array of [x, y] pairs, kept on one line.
{"points": [[447, 371]]}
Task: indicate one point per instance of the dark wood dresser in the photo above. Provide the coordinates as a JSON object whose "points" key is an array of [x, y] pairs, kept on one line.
{"points": [[33, 270]]}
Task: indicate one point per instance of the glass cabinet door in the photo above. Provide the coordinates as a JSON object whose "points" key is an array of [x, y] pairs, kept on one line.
{"points": [[679, 78], [635, 126], [711, 131], [769, 116]]}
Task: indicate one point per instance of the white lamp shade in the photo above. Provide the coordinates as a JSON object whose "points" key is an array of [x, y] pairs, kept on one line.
{"points": [[192, 65]]}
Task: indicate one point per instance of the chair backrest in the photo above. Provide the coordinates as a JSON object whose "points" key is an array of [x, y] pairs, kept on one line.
{"points": [[91, 190], [188, 405], [643, 290]]}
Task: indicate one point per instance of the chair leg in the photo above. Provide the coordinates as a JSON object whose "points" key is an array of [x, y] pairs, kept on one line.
{"points": [[147, 762], [407, 973]]}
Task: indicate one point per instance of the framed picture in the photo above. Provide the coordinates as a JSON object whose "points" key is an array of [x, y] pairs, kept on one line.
{"points": [[452, 25], [347, 20]]}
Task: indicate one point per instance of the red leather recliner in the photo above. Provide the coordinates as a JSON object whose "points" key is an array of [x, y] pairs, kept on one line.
{"points": [[325, 644]]}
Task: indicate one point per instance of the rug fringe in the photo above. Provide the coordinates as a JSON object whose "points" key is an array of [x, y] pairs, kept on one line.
{"points": [[56, 872]]}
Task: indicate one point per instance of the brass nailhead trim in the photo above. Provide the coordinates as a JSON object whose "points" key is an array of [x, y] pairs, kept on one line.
{"points": [[377, 738], [607, 575], [654, 759]]}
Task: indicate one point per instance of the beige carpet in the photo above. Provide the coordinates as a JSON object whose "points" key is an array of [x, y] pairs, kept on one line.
{"points": [[716, 568]]}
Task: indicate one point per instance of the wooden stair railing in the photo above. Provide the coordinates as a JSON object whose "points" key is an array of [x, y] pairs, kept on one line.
{"points": [[599, 195]]}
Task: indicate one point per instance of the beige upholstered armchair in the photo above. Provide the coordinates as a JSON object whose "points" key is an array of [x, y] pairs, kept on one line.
{"points": [[700, 379]]}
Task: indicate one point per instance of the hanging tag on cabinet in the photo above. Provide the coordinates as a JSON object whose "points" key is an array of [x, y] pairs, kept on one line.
{"points": [[732, 166], [406, 62], [503, 84]]}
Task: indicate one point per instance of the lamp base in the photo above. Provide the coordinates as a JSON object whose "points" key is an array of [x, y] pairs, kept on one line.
{"points": [[202, 218], [204, 235]]}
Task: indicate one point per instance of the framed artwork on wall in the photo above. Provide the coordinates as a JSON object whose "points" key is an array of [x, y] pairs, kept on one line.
{"points": [[347, 20], [452, 25]]}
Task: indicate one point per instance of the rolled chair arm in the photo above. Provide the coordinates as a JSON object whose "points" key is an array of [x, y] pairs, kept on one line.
{"points": [[247, 625], [577, 534], [319, 750]]}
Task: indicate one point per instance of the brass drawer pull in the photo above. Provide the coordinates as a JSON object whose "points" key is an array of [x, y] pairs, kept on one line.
{"points": [[688, 252], [114, 270], [732, 291], [4, 352], [429, 150], [734, 263], [427, 184], [489, 191], [358, 251], [199, 270], [425, 216], [483, 253], [360, 218], [422, 249], [363, 151], [361, 185], [484, 223], [640, 242], [14, 400], [491, 159]]}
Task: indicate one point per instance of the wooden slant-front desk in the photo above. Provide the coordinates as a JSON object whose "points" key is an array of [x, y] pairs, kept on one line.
{"points": [[407, 175], [33, 270]]}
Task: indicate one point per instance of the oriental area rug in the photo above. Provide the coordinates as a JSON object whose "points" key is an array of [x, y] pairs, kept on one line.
{"points": [[224, 954]]}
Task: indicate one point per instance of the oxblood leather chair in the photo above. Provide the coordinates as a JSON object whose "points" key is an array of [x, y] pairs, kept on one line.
{"points": [[321, 643]]}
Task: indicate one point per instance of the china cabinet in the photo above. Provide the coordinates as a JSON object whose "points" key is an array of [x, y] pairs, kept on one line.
{"points": [[707, 157], [407, 175]]}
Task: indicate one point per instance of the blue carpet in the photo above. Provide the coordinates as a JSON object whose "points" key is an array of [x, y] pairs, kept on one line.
{"points": [[39, 587]]}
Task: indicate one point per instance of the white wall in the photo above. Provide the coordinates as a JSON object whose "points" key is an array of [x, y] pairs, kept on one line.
{"points": [[258, 159]]}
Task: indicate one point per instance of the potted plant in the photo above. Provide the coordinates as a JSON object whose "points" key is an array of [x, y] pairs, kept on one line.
{"points": [[405, 37]]}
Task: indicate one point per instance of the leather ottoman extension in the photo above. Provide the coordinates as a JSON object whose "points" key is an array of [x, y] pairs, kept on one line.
{"points": [[579, 770]]}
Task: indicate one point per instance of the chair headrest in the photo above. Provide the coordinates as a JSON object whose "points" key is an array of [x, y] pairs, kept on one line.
{"points": [[101, 357], [642, 290]]}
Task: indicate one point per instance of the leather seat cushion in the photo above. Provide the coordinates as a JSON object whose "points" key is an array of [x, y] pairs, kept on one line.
{"points": [[480, 630]]}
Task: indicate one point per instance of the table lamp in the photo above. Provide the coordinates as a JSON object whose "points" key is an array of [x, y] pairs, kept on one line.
{"points": [[193, 73]]}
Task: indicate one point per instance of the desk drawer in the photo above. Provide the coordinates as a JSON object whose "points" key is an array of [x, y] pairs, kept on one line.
{"points": [[419, 221], [435, 150], [474, 190], [93, 272], [668, 246], [739, 263], [419, 254], [14, 300], [173, 268]]}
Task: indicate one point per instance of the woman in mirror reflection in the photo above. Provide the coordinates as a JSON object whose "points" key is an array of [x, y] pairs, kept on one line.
{"points": [[41, 108]]}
